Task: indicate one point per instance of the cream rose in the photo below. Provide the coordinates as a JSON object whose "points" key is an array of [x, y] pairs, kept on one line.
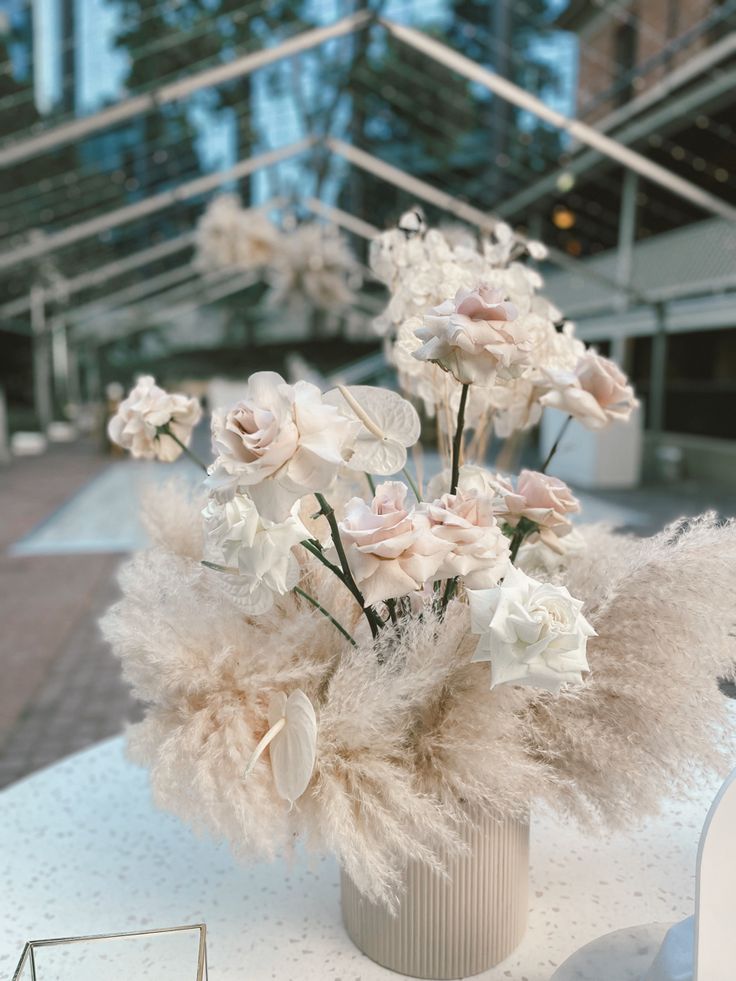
{"points": [[136, 426], [543, 499], [533, 633], [391, 550], [474, 337], [473, 479], [280, 442], [261, 550], [480, 550], [596, 393]]}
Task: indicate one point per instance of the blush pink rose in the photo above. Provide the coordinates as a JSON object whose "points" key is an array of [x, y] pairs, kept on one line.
{"points": [[543, 499], [391, 549], [279, 443], [596, 393], [475, 337], [479, 549]]}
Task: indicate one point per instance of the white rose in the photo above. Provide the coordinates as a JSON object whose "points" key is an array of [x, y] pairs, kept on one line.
{"points": [[260, 549], [533, 633], [136, 424], [391, 550], [480, 550], [474, 337], [280, 442]]}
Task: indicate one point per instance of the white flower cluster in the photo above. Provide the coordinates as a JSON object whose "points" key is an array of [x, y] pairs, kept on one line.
{"points": [[474, 314], [229, 235], [314, 264], [310, 264]]}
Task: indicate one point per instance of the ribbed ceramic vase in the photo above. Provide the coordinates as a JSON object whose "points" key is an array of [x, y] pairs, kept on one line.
{"points": [[451, 927]]}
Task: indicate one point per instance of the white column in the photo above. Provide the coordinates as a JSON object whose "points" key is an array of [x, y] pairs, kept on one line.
{"points": [[42, 390]]}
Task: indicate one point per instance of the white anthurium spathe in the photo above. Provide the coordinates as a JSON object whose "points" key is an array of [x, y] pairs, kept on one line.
{"points": [[532, 632], [292, 743], [390, 425]]}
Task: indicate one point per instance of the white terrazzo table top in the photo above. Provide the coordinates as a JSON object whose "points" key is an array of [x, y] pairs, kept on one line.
{"points": [[83, 851]]}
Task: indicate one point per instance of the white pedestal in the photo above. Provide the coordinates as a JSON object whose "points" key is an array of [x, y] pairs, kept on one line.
{"points": [[605, 458]]}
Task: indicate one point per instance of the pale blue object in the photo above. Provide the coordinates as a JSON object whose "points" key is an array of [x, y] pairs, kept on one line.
{"points": [[675, 959]]}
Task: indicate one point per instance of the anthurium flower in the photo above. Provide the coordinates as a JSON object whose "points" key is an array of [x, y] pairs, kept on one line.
{"points": [[389, 424], [292, 743]]}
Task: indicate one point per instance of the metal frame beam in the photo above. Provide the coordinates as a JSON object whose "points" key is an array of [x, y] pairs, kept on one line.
{"points": [[580, 131], [102, 274], [125, 297], [656, 121], [134, 313], [157, 202], [77, 129]]}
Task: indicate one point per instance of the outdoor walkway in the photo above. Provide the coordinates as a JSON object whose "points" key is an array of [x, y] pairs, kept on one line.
{"points": [[67, 519]]}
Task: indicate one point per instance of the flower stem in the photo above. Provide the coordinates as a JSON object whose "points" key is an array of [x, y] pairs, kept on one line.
{"points": [[166, 431], [457, 443], [326, 613], [524, 528], [371, 616], [556, 443], [450, 588], [371, 483], [412, 483]]}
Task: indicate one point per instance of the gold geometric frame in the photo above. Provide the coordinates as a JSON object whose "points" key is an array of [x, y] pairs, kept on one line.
{"points": [[28, 958]]}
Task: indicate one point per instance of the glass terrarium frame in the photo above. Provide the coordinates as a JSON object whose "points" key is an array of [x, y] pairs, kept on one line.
{"points": [[28, 957]]}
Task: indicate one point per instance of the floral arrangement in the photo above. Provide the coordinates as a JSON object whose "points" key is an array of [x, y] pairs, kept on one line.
{"points": [[310, 263], [328, 648]]}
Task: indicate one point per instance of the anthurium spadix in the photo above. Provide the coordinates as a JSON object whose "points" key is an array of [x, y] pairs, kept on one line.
{"points": [[292, 743], [390, 425]]}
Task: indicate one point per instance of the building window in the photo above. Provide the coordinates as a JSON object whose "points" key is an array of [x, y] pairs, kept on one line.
{"points": [[625, 45]]}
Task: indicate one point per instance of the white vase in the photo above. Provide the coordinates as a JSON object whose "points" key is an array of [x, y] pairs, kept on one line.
{"points": [[451, 927]]}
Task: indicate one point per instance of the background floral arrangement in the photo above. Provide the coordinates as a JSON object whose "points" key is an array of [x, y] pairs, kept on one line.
{"points": [[312, 646], [307, 264]]}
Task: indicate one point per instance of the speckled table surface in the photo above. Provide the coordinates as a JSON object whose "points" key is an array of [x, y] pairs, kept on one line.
{"points": [[83, 851]]}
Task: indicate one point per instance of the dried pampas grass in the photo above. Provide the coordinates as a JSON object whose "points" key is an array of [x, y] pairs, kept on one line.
{"points": [[410, 739]]}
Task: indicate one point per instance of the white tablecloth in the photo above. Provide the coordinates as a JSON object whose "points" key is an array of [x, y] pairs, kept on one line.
{"points": [[83, 851]]}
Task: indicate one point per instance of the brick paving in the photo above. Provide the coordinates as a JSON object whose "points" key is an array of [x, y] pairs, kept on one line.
{"points": [[61, 688]]}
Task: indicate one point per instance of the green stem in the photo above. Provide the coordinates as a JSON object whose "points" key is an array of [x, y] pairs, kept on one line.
{"points": [[412, 484], [371, 616], [457, 443], [391, 604], [450, 588], [556, 443], [326, 613], [319, 554], [515, 545], [371, 484], [524, 528], [165, 431]]}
